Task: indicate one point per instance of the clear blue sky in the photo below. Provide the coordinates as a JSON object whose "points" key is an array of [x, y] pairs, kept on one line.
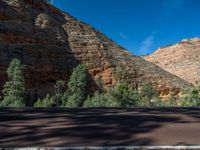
{"points": [[141, 26]]}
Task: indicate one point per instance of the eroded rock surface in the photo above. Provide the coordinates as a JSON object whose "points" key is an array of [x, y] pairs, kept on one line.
{"points": [[181, 59], [50, 43]]}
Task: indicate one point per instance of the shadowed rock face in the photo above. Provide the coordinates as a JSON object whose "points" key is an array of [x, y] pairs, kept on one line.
{"points": [[50, 43], [181, 59]]}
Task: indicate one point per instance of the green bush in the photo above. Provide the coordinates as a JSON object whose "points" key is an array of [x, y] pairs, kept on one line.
{"points": [[123, 95], [170, 102], [191, 97], [76, 93], [56, 99], [75, 99], [48, 101], [99, 100], [148, 91], [14, 88], [148, 96], [59, 93]]}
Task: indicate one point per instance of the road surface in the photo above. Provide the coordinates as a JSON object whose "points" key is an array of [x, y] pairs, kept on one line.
{"points": [[99, 127]]}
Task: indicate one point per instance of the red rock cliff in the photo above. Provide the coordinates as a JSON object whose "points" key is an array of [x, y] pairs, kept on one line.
{"points": [[50, 43]]}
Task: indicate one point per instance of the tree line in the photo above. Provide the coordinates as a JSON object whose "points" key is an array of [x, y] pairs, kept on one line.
{"points": [[75, 94]]}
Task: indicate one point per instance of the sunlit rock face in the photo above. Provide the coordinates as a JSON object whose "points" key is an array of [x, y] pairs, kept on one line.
{"points": [[181, 59], [50, 43]]}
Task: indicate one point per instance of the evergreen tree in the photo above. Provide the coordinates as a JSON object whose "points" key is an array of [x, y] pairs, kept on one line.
{"points": [[59, 92], [48, 101], [14, 88], [77, 87], [55, 100]]}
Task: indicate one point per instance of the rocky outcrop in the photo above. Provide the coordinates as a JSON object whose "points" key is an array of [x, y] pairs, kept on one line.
{"points": [[181, 59], [50, 43]]}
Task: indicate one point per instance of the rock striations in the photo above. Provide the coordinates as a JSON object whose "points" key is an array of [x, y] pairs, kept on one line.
{"points": [[181, 59], [50, 43]]}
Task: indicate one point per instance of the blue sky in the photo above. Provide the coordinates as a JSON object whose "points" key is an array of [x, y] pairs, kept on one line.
{"points": [[141, 26]]}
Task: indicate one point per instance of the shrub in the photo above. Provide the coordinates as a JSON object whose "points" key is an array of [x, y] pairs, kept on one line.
{"points": [[170, 102], [191, 97], [123, 95], [77, 87], [48, 101], [148, 91], [75, 99], [99, 100]]}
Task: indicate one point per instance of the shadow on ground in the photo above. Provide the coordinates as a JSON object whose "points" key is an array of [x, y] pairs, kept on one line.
{"points": [[99, 127]]}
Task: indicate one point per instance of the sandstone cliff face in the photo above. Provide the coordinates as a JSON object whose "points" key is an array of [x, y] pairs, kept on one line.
{"points": [[181, 59], [50, 43]]}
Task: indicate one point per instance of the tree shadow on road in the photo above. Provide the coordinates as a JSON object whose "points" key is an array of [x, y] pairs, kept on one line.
{"points": [[84, 127]]}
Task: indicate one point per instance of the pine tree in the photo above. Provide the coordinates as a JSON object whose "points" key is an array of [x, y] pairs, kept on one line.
{"points": [[77, 87], [59, 92], [46, 102], [14, 88]]}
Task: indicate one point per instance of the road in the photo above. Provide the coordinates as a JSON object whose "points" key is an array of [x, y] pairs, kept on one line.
{"points": [[99, 127]]}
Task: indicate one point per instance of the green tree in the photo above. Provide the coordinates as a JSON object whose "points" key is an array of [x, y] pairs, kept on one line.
{"points": [[56, 99], [99, 100], [48, 101], [59, 92], [76, 92], [191, 97], [14, 88], [148, 96], [148, 91], [124, 95]]}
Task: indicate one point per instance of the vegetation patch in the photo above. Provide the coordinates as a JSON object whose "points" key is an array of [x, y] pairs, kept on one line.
{"points": [[74, 94]]}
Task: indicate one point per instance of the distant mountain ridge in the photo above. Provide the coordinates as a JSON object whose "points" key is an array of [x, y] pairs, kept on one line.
{"points": [[181, 59], [50, 43]]}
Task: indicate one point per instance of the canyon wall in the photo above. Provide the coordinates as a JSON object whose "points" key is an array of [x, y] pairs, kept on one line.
{"points": [[50, 43]]}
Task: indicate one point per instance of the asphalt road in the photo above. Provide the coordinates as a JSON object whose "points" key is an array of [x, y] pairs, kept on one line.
{"points": [[99, 127]]}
